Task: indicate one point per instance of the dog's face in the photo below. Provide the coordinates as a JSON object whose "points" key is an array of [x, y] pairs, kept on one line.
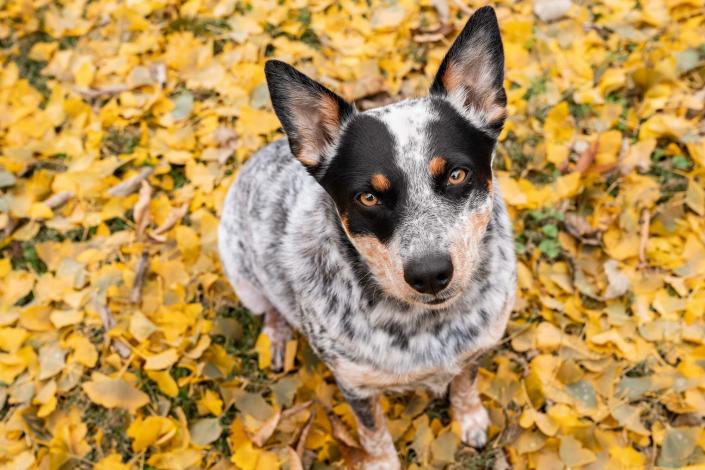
{"points": [[412, 181]]}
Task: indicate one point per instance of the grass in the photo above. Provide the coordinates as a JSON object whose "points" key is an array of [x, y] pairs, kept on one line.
{"points": [[121, 141]]}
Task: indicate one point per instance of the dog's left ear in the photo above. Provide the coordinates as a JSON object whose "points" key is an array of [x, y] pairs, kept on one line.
{"points": [[471, 75], [310, 114]]}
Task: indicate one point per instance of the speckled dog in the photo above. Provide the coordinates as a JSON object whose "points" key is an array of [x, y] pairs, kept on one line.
{"points": [[381, 235]]}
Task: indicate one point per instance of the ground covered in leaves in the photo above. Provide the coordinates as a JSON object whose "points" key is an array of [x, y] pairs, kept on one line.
{"points": [[122, 125]]}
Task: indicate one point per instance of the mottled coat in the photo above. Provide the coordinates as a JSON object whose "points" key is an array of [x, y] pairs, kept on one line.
{"points": [[382, 235]]}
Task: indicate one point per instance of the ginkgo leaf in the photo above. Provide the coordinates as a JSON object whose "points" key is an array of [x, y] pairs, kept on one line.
{"points": [[205, 431], [573, 454], [125, 124], [114, 393]]}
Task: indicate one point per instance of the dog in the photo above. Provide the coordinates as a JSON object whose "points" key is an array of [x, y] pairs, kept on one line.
{"points": [[381, 235]]}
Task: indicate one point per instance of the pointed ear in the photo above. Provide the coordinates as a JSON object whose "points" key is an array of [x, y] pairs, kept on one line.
{"points": [[310, 114], [471, 75]]}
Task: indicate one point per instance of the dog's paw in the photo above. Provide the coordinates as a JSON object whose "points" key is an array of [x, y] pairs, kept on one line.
{"points": [[473, 427], [279, 333], [277, 347]]}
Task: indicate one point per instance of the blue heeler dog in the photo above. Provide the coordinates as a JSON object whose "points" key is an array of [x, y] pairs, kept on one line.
{"points": [[381, 235]]}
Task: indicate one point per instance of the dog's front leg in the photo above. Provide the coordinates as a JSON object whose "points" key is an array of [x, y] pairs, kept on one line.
{"points": [[279, 333], [467, 408], [373, 433]]}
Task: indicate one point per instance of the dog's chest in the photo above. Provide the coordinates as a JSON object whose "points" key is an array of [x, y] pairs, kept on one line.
{"points": [[425, 352], [365, 378]]}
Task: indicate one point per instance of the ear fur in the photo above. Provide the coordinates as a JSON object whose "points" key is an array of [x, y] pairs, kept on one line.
{"points": [[471, 75], [310, 114]]}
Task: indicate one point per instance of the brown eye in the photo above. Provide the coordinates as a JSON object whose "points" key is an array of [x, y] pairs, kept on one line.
{"points": [[368, 199], [457, 176]]}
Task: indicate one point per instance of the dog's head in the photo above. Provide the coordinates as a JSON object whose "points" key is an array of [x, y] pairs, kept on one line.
{"points": [[412, 181]]}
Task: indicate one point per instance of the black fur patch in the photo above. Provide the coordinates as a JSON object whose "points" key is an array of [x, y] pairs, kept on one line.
{"points": [[462, 145], [366, 148], [364, 408]]}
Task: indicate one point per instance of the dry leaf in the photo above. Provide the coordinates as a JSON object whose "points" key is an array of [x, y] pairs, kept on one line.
{"points": [[114, 393]]}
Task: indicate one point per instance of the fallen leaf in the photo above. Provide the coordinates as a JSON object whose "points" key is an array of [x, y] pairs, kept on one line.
{"points": [[114, 393]]}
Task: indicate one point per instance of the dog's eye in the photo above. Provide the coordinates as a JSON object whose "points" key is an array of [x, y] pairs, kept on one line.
{"points": [[457, 176], [368, 199]]}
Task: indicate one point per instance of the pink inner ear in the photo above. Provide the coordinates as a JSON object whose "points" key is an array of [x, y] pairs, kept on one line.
{"points": [[470, 82], [317, 120]]}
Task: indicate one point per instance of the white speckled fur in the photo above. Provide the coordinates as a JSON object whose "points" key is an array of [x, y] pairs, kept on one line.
{"points": [[286, 248], [298, 265]]}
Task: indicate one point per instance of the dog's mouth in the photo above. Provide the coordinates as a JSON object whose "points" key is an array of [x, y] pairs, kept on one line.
{"points": [[440, 301]]}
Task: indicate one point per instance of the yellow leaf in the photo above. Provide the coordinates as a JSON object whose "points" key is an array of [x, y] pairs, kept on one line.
{"points": [[84, 73], [111, 462], [47, 408], [262, 348], [545, 424], [290, 355], [114, 393], [188, 242], [211, 403], [548, 337], [256, 121], [626, 457], [43, 50], [611, 80], [179, 459], [564, 416], [613, 336], [164, 381], [558, 132], [62, 318], [141, 327], [638, 156], [664, 125], [245, 455], [69, 439], [16, 285], [609, 145], [178, 157], [83, 350], [161, 361], [51, 360], [695, 197], [12, 338], [573, 454], [5, 267], [267, 461], [696, 149], [12, 365], [149, 431], [39, 210], [46, 397]]}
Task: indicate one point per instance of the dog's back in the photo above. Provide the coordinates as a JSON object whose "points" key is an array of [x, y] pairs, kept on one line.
{"points": [[256, 215]]}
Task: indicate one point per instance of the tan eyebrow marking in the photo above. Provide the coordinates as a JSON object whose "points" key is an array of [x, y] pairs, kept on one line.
{"points": [[380, 182], [436, 166]]}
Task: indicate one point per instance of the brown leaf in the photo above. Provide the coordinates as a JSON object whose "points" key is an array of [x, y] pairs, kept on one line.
{"points": [[141, 209], [587, 157], [130, 185], [266, 430], [341, 432]]}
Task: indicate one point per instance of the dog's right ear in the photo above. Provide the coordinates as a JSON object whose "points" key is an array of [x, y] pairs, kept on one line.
{"points": [[310, 114]]}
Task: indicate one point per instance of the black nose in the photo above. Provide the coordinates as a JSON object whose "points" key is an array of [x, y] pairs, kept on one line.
{"points": [[430, 274]]}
